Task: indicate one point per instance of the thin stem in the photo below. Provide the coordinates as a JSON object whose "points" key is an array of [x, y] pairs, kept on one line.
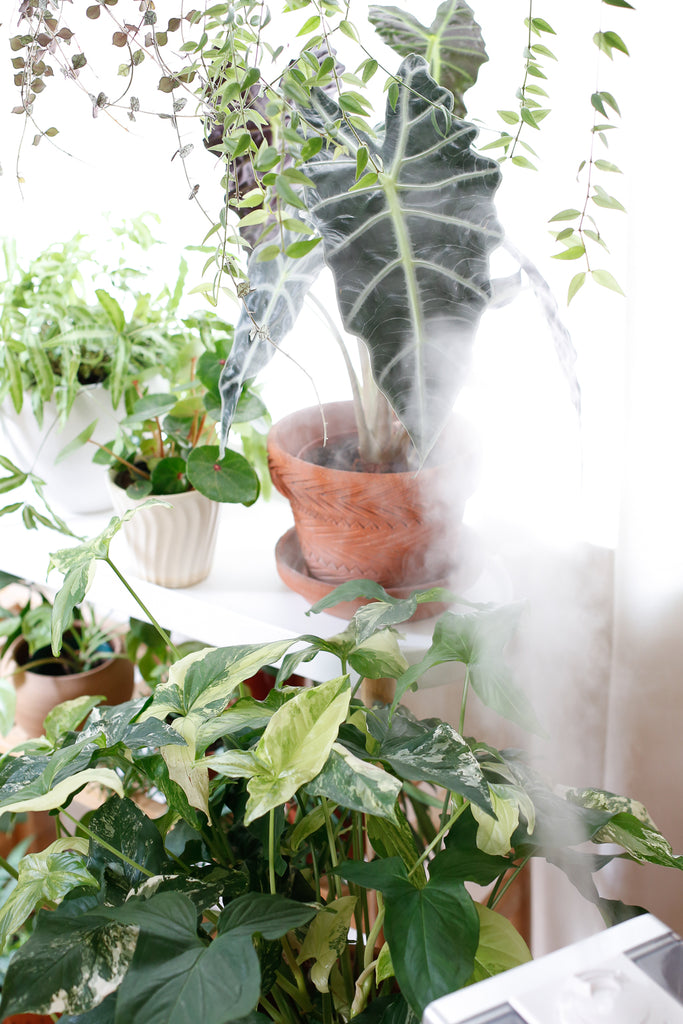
{"points": [[119, 458], [496, 897], [332, 845], [463, 701], [271, 850], [162, 632], [437, 838], [373, 934], [6, 866]]}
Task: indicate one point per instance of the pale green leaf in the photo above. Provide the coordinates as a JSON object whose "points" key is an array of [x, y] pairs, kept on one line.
{"points": [[59, 794], [326, 939], [296, 744], [604, 278], [500, 948]]}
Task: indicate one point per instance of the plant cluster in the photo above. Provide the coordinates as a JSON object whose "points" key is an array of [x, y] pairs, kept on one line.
{"points": [[312, 858], [67, 322], [85, 642], [168, 444]]}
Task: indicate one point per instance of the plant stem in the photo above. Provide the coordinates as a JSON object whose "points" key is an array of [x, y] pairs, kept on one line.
{"points": [[296, 973], [6, 866], [438, 837], [498, 893], [103, 843], [162, 632], [463, 701], [332, 845], [271, 850], [374, 931], [124, 462]]}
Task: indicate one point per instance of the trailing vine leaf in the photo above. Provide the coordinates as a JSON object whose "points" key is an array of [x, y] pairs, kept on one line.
{"points": [[452, 45]]}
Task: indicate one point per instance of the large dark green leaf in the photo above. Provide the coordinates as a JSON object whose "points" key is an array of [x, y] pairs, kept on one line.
{"points": [[433, 931], [272, 916], [176, 977], [70, 963], [453, 44], [410, 252]]}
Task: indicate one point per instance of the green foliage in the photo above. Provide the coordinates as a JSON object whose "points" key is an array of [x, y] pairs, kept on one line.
{"points": [[235, 907], [83, 642], [166, 443], [60, 331]]}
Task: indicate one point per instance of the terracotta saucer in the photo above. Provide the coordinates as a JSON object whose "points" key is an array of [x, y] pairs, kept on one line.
{"points": [[294, 574]]}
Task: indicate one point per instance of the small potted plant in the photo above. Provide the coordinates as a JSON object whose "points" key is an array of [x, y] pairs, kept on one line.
{"points": [[167, 447], [75, 337], [90, 661], [313, 860]]}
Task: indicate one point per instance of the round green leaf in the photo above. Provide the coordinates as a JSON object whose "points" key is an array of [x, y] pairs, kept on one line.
{"points": [[169, 476], [231, 478]]}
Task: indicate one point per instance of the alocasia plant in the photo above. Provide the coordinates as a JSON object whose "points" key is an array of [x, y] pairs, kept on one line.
{"points": [[408, 244]]}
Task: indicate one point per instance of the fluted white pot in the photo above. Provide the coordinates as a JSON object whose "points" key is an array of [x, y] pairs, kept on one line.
{"points": [[75, 484], [174, 546]]}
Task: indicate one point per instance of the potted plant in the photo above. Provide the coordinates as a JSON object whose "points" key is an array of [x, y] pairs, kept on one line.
{"points": [[76, 336], [406, 220], [90, 661], [313, 858], [167, 447]]}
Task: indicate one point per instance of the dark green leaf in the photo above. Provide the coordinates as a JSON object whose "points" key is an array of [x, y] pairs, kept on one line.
{"points": [[229, 479], [453, 43], [271, 916]]}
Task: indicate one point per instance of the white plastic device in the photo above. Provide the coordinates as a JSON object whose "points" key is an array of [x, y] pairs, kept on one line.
{"points": [[629, 974]]}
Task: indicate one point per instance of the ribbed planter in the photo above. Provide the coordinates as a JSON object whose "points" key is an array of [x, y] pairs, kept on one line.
{"points": [[75, 484], [399, 529], [173, 547], [37, 693]]}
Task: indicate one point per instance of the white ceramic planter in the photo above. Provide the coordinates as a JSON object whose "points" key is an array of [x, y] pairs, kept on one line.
{"points": [[75, 484], [174, 546]]}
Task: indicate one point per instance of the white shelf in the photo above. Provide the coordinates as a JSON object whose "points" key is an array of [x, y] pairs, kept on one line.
{"points": [[242, 601]]}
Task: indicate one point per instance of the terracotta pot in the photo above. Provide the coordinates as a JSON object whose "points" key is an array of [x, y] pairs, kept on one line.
{"points": [[37, 693], [399, 529], [174, 546]]}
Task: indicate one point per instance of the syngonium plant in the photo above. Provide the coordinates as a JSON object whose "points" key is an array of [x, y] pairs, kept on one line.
{"points": [[407, 222], [310, 856]]}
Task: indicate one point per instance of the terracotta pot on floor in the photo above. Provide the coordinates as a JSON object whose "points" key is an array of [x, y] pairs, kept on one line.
{"points": [[37, 693], [399, 529]]}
